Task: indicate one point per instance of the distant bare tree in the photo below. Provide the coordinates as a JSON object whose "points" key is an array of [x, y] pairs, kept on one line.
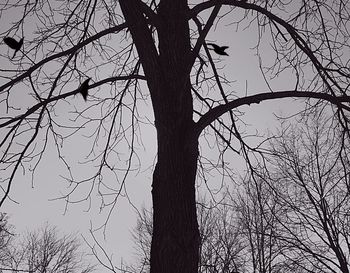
{"points": [[222, 244], [257, 212], [6, 237], [221, 248], [142, 237], [308, 173], [45, 251]]}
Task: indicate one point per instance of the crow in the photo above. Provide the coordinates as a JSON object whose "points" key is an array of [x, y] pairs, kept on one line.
{"points": [[12, 43], [219, 49], [83, 88]]}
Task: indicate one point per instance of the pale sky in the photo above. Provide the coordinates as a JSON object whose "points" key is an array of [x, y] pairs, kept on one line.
{"points": [[34, 208]]}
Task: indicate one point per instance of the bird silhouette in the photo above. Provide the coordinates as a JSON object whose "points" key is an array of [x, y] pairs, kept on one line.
{"points": [[83, 88], [12, 43], [219, 49]]}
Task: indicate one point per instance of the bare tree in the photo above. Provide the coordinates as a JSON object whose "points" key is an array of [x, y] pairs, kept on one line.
{"points": [[142, 237], [45, 250], [259, 214], [309, 175], [222, 248], [6, 237], [128, 44]]}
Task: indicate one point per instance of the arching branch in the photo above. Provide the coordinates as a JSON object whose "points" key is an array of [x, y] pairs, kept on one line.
{"points": [[65, 95], [61, 54], [217, 111]]}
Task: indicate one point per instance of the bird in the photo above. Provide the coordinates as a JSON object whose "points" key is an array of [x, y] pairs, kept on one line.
{"points": [[12, 43], [83, 88], [219, 49]]}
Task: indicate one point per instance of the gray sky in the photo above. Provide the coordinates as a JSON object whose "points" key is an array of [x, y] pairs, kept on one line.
{"points": [[34, 208]]}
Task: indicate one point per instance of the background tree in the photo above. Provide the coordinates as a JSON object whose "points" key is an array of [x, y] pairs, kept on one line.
{"points": [[222, 247], [309, 174], [222, 244], [290, 215], [45, 250], [259, 213], [123, 45], [6, 237]]}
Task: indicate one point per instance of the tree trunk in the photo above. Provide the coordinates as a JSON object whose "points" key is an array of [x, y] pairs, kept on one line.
{"points": [[175, 240]]}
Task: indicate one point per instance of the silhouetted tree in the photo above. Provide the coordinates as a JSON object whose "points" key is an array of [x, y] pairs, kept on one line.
{"points": [[259, 214], [45, 250], [222, 248], [152, 53], [309, 174], [6, 237]]}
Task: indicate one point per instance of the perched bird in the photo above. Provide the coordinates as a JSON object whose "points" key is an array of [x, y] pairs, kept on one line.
{"points": [[219, 49], [83, 88], [12, 43]]}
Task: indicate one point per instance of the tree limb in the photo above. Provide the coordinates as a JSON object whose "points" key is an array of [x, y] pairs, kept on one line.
{"points": [[217, 111], [65, 95], [63, 53]]}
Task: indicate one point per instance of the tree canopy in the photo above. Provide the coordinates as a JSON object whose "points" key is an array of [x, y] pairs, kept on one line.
{"points": [[150, 64]]}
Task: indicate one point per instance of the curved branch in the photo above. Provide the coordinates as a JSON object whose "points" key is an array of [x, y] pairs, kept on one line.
{"points": [[65, 95], [63, 53], [208, 4], [299, 41], [217, 111]]}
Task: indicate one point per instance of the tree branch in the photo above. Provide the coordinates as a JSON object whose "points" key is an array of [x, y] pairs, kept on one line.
{"points": [[141, 34], [65, 95], [217, 111], [203, 33], [63, 53], [151, 15], [299, 41]]}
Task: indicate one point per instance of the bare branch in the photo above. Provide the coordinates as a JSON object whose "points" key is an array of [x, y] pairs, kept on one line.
{"points": [[217, 111]]}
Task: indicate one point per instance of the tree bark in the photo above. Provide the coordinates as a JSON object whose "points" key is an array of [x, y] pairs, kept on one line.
{"points": [[175, 239]]}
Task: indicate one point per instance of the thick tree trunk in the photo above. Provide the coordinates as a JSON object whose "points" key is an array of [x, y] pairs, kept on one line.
{"points": [[175, 241]]}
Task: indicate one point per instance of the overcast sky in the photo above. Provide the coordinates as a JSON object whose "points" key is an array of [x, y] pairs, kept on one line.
{"points": [[34, 207]]}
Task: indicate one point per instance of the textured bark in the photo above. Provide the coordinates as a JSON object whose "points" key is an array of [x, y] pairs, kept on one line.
{"points": [[175, 241]]}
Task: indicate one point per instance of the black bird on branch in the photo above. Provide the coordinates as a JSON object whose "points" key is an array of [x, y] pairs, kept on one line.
{"points": [[84, 88], [218, 49], [12, 43]]}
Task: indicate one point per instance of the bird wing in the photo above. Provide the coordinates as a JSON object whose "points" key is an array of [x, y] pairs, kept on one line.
{"points": [[84, 89], [12, 43], [84, 93]]}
